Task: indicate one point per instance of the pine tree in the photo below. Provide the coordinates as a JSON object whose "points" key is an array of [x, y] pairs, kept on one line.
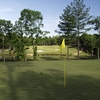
{"points": [[81, 14], [67, 25]]}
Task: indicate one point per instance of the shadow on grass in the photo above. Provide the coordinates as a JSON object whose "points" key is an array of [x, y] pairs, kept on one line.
{"points": [[7, 87], [41, 86], [51, 58], [82, 57], [35, 86], [11, 84], [88, 57]]}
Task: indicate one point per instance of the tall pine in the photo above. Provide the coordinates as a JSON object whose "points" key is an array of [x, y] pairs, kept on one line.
{"points": [[67, 25], [81, 14]]}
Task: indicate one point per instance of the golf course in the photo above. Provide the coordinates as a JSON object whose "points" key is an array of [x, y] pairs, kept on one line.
{"points": [[49, 50], [43, 79]]}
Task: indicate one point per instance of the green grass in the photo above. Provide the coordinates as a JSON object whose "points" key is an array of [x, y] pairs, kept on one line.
{"points": [[43, 80], [51, 49], [50, 52]]}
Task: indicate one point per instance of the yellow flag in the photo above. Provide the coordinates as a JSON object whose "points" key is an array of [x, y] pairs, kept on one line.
{"points": [[62, 45]]}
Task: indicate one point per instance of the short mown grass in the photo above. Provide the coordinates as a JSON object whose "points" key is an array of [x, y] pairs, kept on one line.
{"points": [[43, 80], [54, 49], [52, 52]]}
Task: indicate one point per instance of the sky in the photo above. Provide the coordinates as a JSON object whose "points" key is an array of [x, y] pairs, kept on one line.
{"points": [[50, 9]]}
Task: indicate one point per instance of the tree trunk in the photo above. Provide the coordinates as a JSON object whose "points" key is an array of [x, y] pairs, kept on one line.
{"points": [[98, 53], [33, 49], [3, 49], [92, 52], [35, 52], [67, 51], [78, 41], [12, 55], [78, 49]]}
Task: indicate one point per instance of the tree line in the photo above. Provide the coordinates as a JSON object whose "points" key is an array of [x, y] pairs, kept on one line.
{"points": [[23, 33], [74, 22], [73, 26]]}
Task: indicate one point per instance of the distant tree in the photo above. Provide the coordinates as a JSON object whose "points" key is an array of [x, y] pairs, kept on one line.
{"points": [[67, 25], [81, 16], [96, 22], [55, 39], [31, 22], [88, 43], [19, 41], [5, 30], [84, 42], [74, 20], [42, 39]]}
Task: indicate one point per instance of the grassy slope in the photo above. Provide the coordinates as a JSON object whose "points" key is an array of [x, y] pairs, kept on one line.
{"points": [[43, 80]]}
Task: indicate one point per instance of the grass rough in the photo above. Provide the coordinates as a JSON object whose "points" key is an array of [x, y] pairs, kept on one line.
{"points": [[43, 80]]}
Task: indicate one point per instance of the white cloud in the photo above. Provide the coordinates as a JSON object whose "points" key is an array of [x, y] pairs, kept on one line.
{"points": [[5, 10]]}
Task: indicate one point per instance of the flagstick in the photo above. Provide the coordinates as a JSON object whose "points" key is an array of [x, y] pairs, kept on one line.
{"points": [[64, 73], [61, 48], [65, 70]]}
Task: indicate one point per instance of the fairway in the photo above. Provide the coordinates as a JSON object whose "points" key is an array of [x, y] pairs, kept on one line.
{"points": [[50, 53], [43, 80], [54, 49]]}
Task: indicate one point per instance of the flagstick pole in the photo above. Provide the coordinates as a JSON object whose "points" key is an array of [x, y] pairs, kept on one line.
{"points": [[64, 73], [61, 48]]}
